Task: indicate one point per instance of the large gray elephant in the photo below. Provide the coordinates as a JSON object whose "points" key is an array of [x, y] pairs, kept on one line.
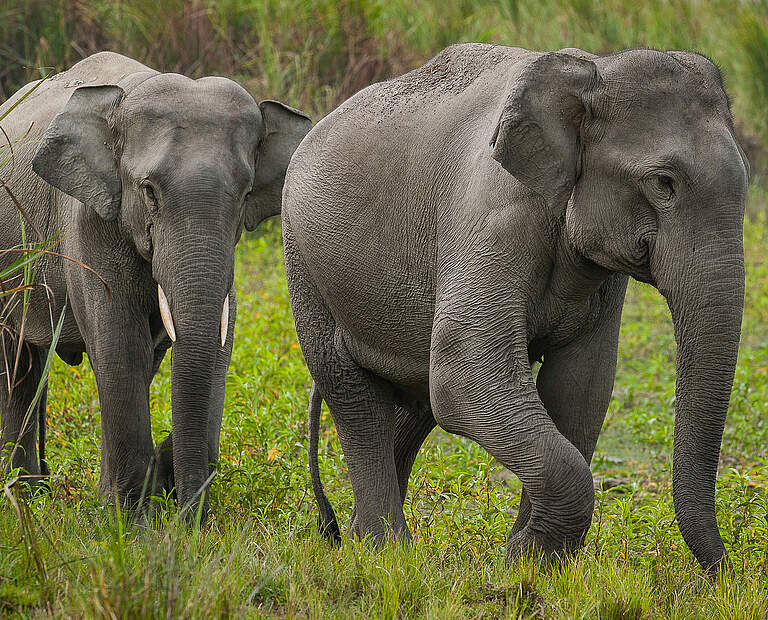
{"points": [[155, 176], [447, 228]]}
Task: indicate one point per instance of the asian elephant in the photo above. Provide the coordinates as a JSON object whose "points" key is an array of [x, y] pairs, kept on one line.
{"points": [[445, 229], [149, 178]]}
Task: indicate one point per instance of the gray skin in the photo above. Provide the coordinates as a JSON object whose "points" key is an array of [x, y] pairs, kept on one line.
{"points": [[445, 229], [151, 178]]}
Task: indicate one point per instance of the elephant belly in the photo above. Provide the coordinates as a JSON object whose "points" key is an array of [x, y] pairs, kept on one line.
{"points": [[395, 364], [39, 333], [385, 325], [47, 301], [379, 293]]}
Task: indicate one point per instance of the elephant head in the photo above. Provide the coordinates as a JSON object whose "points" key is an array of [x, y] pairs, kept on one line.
{"points": [[178, 166], [636, 156]]}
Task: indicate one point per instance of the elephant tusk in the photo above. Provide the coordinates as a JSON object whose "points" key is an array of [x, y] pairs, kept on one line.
{"points": [[224, 320], [165, 313]]}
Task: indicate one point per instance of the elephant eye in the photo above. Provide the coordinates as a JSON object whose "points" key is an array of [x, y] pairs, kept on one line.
{"points": [[666, 186], [149, 192]]}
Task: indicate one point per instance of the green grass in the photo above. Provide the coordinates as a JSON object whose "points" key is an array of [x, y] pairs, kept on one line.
{"points": [[261, 556]]}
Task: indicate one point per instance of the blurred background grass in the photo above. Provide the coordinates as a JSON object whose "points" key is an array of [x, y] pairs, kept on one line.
{"points": [[316, 53]]}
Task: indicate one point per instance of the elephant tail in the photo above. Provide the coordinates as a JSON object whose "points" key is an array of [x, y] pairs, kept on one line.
{"points": [[326, 521]]}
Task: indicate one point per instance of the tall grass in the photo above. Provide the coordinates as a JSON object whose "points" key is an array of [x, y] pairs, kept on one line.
{"points": [[17, 279], [19, 268], [315, 53]]}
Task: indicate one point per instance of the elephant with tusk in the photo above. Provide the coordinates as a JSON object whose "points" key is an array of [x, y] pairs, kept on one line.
{"points": [[447, 228], [167, 317], [150, 178]]}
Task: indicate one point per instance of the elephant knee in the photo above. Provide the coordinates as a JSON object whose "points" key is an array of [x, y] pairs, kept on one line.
{"points": [[446, 398], [568, 493]]}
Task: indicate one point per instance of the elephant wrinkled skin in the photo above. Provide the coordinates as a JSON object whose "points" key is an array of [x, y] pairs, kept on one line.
{"points": [[445, 229], [168, 170]]}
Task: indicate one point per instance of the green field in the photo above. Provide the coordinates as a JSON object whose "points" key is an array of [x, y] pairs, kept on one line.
{"points": [[260, 555]]}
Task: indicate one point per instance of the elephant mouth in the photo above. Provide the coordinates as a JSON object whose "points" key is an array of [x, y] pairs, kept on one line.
{"points": [[167, 316], [642, 268]]}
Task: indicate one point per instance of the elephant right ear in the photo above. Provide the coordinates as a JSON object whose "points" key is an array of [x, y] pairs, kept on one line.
{"points": [[537, 136], [76, 152], [284, 129]]}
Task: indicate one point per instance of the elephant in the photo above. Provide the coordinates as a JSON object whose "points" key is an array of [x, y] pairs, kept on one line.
{"points": [[148, 178], [445, 230]]}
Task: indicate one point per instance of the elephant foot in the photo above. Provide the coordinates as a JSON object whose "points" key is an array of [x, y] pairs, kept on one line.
{"points": [[33, 485], [134, 489], [39, 484], [32, 479], [377, 530], [548, 550], [164, 467]]}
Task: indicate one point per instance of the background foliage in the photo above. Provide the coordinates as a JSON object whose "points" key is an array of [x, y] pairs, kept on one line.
{"points": [[67, 555], [317, 53]]}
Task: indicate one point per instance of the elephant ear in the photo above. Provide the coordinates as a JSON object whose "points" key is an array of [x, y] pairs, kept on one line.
{"points": [[76, 152], [284, 129], [537, 136]]}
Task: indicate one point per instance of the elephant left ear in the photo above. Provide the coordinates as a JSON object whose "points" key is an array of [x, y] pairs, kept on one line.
{"points": [[538, 135], [284, 129], [77, 151]]}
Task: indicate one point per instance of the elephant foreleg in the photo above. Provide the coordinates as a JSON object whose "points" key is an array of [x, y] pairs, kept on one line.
{"points": [[575, 383], [19, 382], [481, 388], [122, 363]]}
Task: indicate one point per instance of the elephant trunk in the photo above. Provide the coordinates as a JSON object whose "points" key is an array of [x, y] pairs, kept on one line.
{"points": [[193, 285], [706, 299], [191, 393]]}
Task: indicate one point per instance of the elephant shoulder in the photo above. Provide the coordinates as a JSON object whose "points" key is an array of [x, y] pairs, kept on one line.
{"points": [[449, 75], [578, 53], [49, 96], [454, 71], [102, 68]]}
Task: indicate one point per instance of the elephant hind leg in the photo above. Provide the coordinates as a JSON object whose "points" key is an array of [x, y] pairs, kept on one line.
{"points": [[413, 422], [361, 404], [19, 382], [362, 408]]}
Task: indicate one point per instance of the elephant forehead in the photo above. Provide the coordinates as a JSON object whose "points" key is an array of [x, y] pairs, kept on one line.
{"points": [[213, 101], [658, 85]]}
